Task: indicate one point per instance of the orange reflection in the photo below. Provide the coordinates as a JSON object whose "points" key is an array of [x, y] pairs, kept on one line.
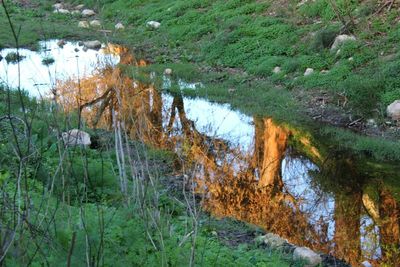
{"points": [[247, 187]]}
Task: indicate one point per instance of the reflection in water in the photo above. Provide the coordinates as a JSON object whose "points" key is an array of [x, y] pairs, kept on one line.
{"points": [[265, 179], [70, 61]]}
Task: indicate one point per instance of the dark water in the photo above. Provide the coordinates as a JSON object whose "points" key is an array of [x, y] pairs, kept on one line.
{"points": [[250, 167]]}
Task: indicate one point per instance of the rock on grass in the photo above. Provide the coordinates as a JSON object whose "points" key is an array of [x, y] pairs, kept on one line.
{"points": [[153, 24], [88, 13], [393, 110]]}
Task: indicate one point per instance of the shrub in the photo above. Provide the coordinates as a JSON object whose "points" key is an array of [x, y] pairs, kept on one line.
{"points": [[363, 93], [324, 38]]}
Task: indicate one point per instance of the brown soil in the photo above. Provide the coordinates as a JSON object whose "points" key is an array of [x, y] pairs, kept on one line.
{"points": [[334, 110]]}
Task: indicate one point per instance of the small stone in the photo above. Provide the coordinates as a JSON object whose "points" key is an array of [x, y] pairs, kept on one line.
{"points": [[231, 90], [341, 39], [351, 59], [119, 26], [95, 23], [85, 49], [76, 50], [307, 255], [153, 24], [95, 45], [83, 24], [76, 12], [168, 71], [79, 7], [58, 6], [324, 71], [1, 57], [393, 110], [308, 71], [61, 43], [62, 11], [80, 43], [276, 70], [88, 13]]}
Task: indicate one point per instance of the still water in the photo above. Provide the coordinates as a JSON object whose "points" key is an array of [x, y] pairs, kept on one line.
{"points": [[247, 167]]}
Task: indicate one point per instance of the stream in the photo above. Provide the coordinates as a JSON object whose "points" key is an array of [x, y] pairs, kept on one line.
{"points": [[248, 167]]}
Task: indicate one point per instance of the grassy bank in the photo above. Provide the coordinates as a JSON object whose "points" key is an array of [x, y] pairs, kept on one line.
{"points": [[255, 37], [249, 36]]}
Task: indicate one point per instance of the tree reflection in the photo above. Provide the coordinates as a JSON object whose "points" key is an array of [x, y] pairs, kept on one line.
{"points": [[246, 186]]}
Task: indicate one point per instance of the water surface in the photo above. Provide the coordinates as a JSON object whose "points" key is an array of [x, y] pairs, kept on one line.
{"points": [[247, 167]]}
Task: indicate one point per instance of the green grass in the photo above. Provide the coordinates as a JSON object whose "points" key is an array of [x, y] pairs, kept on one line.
{"points": [[38, 24], [253, 37], [124, 241]]}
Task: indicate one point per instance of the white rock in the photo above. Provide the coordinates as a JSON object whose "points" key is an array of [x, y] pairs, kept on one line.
{"points": [[62, 11], [324, 71], [88, 13], [96, 45], [76, 12], [76, 137], [393, 110], [351, 59], [58, 6], [340, 39], [153, 24], [119, 26], [83, 24], [79, 7], [276, 70], [168, 71], [308, 71], [95, 23], [306, 254]]}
